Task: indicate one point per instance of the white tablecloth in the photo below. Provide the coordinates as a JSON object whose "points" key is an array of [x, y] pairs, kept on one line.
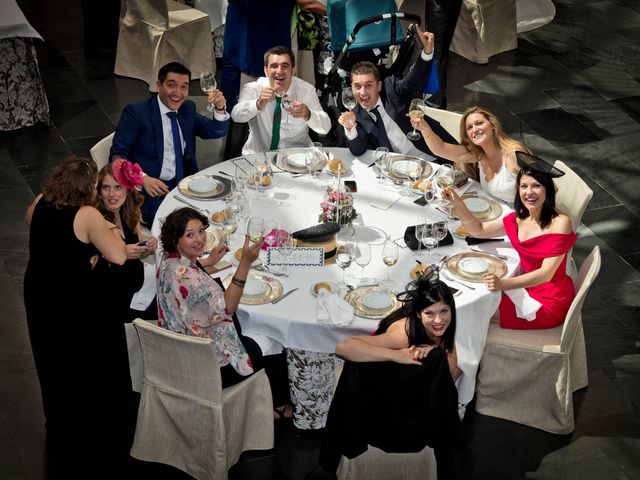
{"points": [[292, 322]]}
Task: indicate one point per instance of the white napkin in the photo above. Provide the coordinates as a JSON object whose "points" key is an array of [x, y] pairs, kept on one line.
{"points": [[143, 297], [526, 307], [333, 309]]}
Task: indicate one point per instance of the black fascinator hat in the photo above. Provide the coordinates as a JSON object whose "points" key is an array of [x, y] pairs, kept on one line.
{"points": [[526, 160]]}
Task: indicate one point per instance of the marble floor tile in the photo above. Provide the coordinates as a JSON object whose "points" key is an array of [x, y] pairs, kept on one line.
{"points": [[559, 127], [81, 119], [615, 226]]}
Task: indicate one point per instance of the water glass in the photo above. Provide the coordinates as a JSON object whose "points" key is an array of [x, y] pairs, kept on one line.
{"points": [[429, 238], [381, 157], [344, 257], [348, 98], [362, 258]]}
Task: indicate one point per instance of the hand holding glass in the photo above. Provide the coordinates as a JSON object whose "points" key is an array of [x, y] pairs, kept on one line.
{"points": [[348, 98], [208, 84], [255, 228], [416, 112]]}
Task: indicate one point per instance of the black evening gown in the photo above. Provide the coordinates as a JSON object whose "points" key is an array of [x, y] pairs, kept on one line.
{"points": [[79, 349]]}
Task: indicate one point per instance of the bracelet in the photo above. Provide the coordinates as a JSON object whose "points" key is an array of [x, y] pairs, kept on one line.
{"points": [[237, 282], [221, 110]]}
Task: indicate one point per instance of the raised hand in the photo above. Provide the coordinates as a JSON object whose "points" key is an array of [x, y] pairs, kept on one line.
{"points": [[347, 120], [427, 39]]}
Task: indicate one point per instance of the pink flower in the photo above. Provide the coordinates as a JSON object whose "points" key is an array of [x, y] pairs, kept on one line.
{"points": [[127, 174]]}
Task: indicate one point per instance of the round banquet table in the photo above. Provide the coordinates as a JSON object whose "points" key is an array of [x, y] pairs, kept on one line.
{"points": [[383, 209]]}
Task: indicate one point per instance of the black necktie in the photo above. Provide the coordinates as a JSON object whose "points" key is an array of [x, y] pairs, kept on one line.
{"points": [[383, 139]]}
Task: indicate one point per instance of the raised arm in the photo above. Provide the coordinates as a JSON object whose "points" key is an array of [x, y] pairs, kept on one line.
{"points": [[450, 151]]}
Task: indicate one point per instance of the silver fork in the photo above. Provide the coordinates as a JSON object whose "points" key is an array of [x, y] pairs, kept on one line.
{"points": [[263, 268], [451, 279]]}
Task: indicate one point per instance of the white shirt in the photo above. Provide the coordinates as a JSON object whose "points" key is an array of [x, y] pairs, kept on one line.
{"points": [[294, 132]]}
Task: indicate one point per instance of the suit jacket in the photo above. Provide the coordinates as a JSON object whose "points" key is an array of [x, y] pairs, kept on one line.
{"points": [[139, 136], [396, 96]]}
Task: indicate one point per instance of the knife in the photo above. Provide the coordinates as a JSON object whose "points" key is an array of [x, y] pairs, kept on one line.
{"points": [[283, 296]]}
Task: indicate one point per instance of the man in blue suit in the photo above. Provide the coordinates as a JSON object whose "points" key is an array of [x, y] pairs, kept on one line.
{"points": [[160, 134], [380, 118]]}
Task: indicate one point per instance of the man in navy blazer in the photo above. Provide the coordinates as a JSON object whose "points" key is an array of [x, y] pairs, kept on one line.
{"points": [[388, 102], [147, 131]]}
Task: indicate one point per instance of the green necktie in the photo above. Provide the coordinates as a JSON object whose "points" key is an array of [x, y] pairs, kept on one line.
{"points": [[275, 132]]}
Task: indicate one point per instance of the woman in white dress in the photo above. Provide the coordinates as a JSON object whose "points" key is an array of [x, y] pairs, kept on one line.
{"points": [[484, 142]]}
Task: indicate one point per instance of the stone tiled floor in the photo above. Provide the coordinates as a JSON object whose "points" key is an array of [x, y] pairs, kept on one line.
{"points": [[572, 91]]}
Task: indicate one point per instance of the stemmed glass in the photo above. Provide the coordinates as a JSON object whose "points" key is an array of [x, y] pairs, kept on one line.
{"points": [[363, 257], [285, 245], [418, 233], [429, 238], [348, 98], [255, 228], [429, 193], [229, 218], [261, 170], [445, 180], [241, 177], [313, 158], [344, 256], [416, 112], [208, 84], [442, 229], [413, 172], [389, 257], [287, 103], [381, 157]]}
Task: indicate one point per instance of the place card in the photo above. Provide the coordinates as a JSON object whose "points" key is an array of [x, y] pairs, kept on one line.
{"points": [[299, 257]]}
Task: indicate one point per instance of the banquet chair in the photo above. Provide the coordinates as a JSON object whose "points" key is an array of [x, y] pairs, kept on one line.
{"points": [[100, 151], [185, 418], [572, 197], [529, 376], [156, 32], [375, 464]]}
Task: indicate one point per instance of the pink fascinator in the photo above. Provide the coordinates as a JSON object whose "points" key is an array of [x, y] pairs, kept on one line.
{"points": [[127, 174]]}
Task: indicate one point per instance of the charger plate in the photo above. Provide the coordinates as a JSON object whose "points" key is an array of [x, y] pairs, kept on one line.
{"points": [[492, 211], [365, 300], [462, 266], [399, 166], [270, 289], [293, 160], [220, 189], [214, 238]]}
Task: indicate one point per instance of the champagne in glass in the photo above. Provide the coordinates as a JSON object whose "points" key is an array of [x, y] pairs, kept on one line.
{"points": [[389, 257], [255, 228], [344, 256], [348, 98], [416, 112], [363, 257], [208, 84], [445, 180]]}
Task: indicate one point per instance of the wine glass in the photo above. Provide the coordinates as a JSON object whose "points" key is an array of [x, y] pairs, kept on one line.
{"points": [[208, 84], [445, 180], [285, 245], [429, 238], [313, 159], [348, 98], [362, 258], [418, 233], [261, 171], [229, 219], [241, 177], [414, 170], [381, 157], [255, 228], [429, 193], [344, 256], [442, 229], [416, 112], [389, 257], [287, 104]]}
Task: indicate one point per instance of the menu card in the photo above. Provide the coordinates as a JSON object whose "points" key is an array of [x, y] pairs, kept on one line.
{"points": [[298, 257]]}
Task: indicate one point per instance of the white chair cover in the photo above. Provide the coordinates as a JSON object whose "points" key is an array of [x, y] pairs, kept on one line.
{"points": [[156, 32], [485, 28], [375, 464], [100, 151], [529, 376], [185, 418]]}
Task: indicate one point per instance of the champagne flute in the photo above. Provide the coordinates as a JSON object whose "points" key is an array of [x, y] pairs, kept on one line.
{"points": [[389, 257], [416, 112], [208, 84], [344, 256], [381, 157], [348, 98], [362, 258], [255, 228]]}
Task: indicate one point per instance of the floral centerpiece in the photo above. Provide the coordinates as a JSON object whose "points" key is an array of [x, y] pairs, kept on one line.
{"points": [[337, 205]]}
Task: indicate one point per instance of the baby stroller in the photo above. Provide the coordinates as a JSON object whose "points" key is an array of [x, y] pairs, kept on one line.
{"points": [[376, 23]]}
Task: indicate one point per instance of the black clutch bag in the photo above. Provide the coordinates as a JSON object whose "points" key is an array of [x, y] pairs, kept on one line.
{"points": [[317, 233], [412, 242], [475, 241]]}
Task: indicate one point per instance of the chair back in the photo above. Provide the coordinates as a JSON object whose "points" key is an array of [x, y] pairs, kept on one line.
{"points": [[450, 121], [587, 275], [183, 365], [573, 194], [152, 12], [100, 151]]}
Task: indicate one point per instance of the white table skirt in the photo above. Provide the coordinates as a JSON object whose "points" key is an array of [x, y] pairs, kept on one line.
{"points": [[292, 323]]}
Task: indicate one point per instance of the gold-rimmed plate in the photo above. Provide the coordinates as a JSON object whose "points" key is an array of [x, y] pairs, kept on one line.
{"points": [[472, 266], [205, 187], [485, 208], [293, 160], [372, 302], [263, 288], [214, 238], [400, 165]]}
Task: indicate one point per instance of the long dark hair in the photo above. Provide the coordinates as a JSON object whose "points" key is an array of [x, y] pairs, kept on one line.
{"points": [[421, 294], [130, 210], [175, 225], [549, 211]]}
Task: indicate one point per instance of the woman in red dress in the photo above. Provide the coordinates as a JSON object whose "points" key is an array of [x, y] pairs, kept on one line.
{"points": [[541, 235]]}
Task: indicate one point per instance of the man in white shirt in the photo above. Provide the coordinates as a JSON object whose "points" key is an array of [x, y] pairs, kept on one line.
{"points": [[380, 118], [273, 123]]}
